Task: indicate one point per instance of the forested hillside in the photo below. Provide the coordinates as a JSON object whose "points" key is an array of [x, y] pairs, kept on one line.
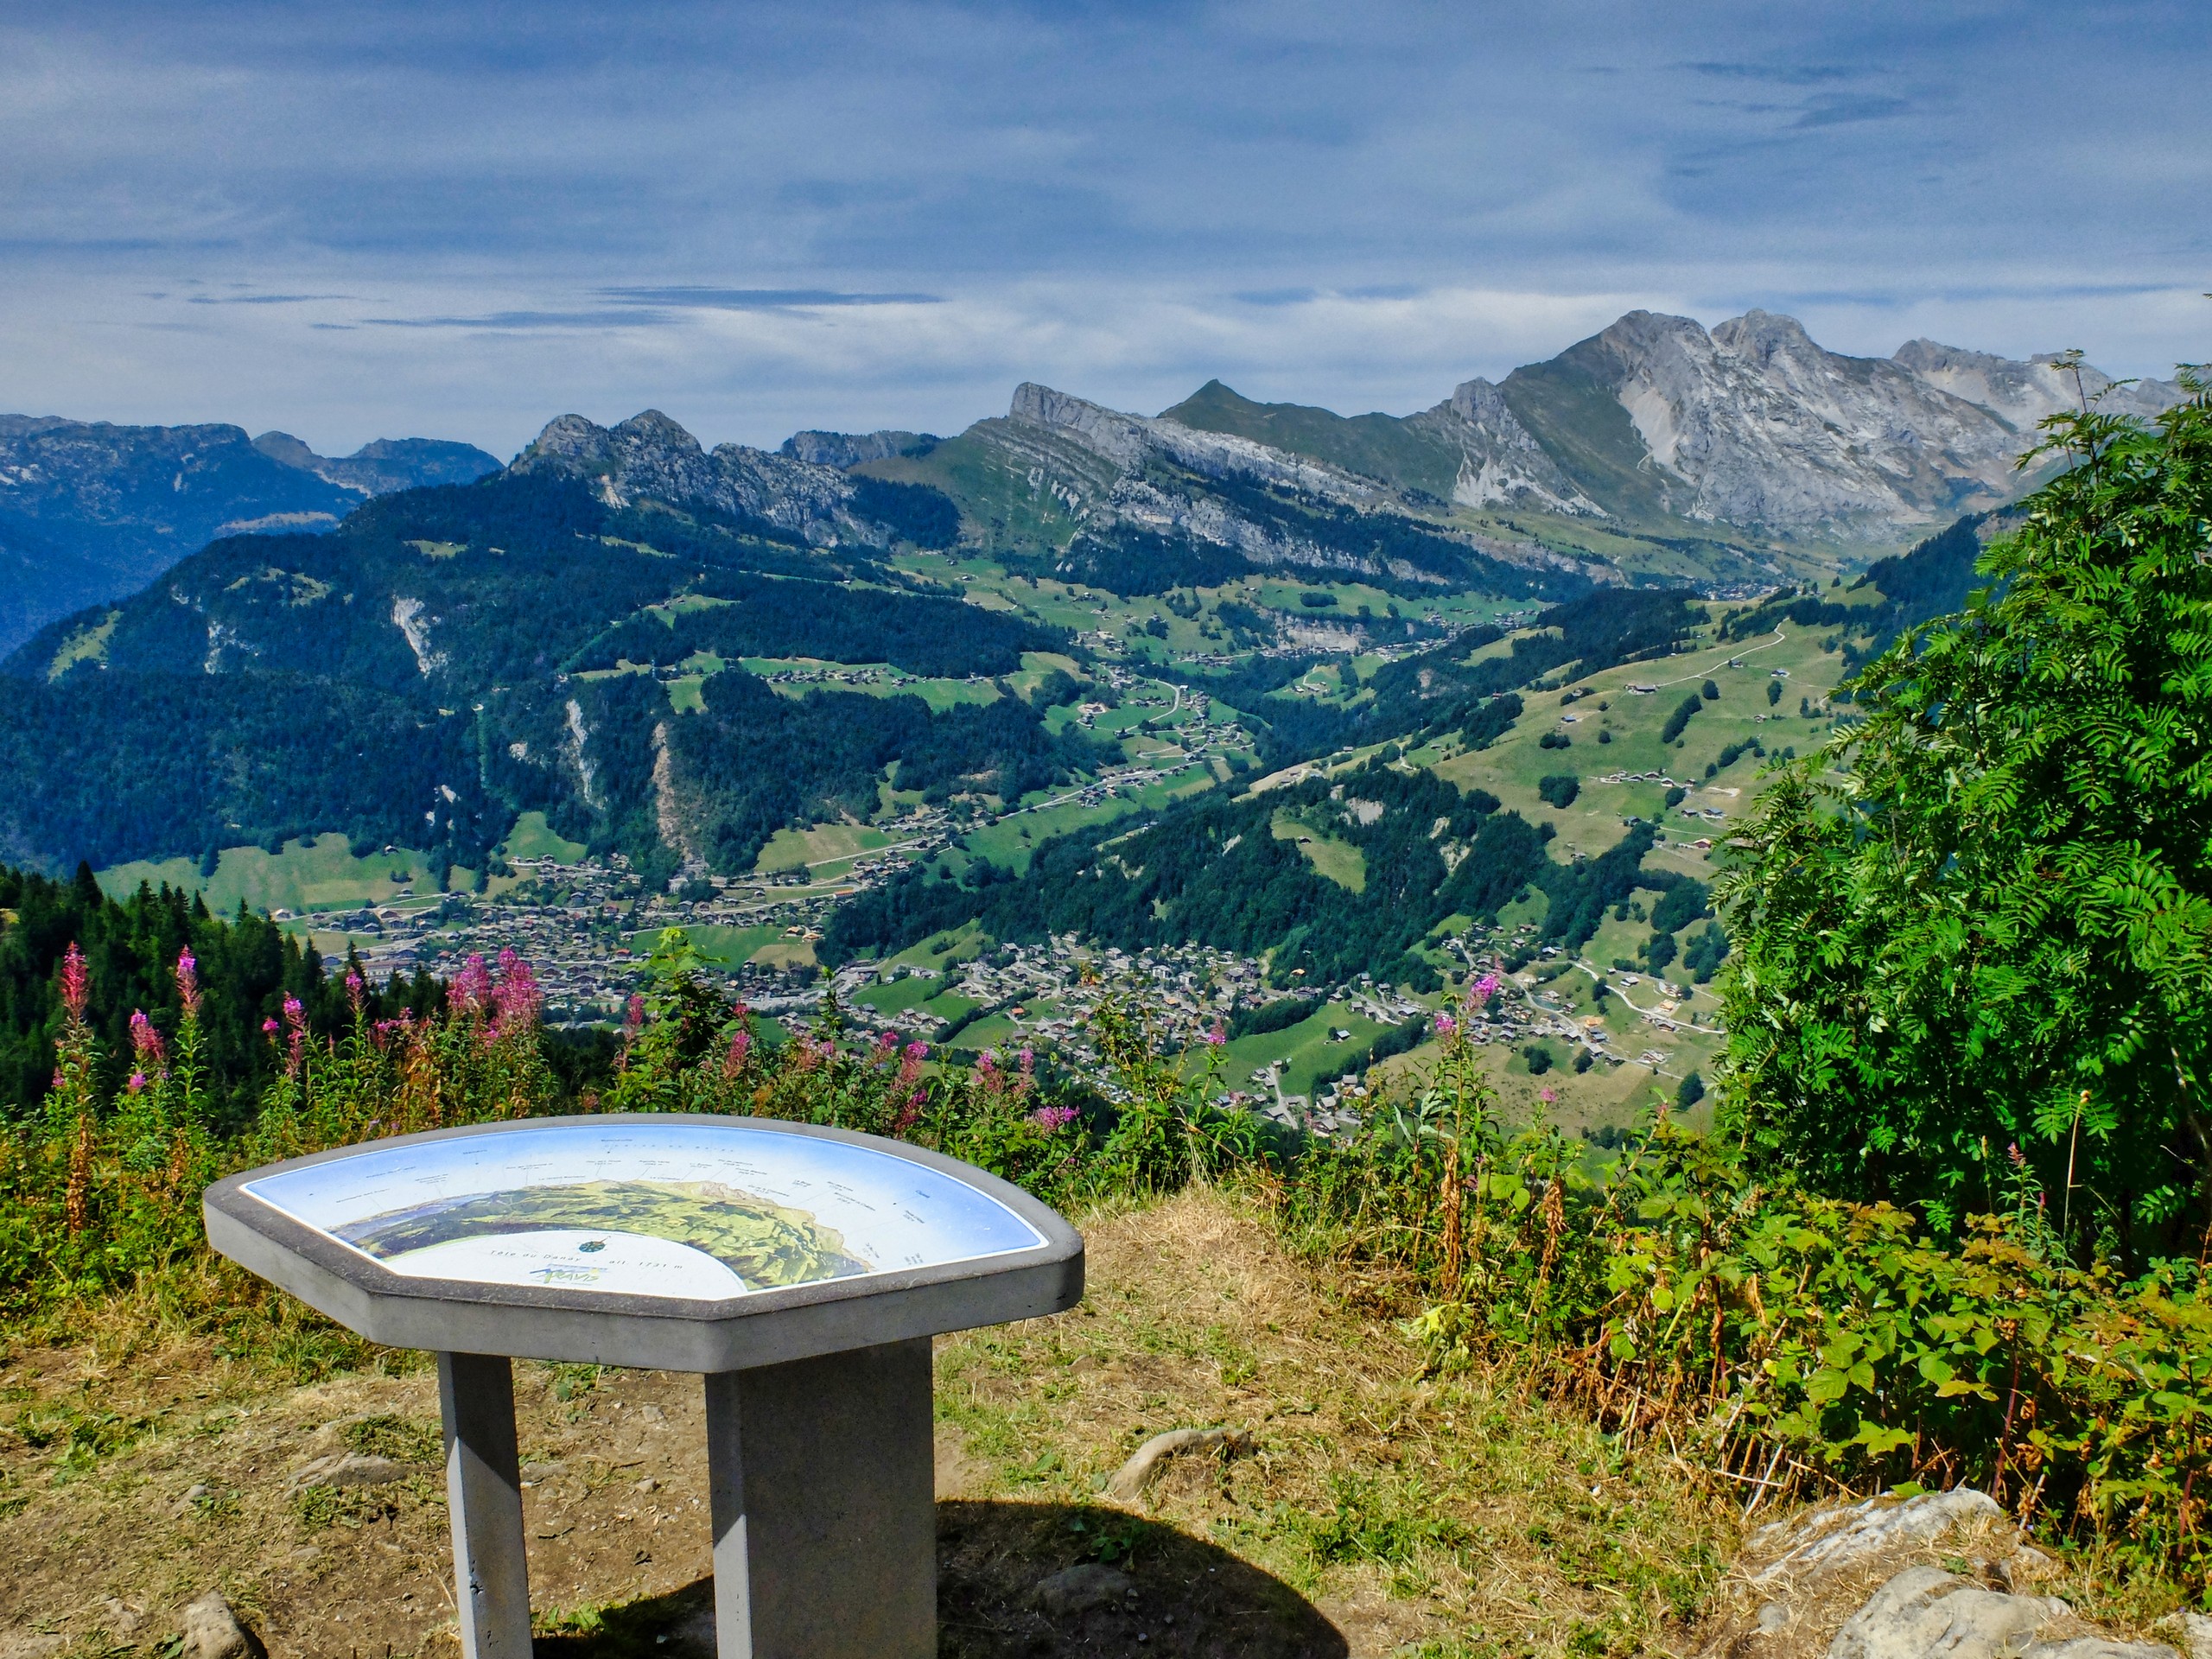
{"points": [[427, 671]]}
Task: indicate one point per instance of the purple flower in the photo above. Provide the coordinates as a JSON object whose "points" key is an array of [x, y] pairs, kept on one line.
{"points": [[1445, 1025], [1052, 1119], [187, 984], [137, 1083], [1216, 1034], [918, 1050], [1485, 988]]}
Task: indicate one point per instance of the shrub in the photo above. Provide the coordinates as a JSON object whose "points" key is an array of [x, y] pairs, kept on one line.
{"points": [[1981, 916], [1554, 740], [1710, 691], [1560, 789], [1773, 693]]}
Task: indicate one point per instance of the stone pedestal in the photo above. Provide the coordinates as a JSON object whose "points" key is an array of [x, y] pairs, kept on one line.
{"points": [[476, 1398], [816, 1354], [823, 1473], [823, 1504]]}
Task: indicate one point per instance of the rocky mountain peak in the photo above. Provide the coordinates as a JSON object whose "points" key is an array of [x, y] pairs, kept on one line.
{"points": [[651, 456], [846, 449], [1763, 336]]}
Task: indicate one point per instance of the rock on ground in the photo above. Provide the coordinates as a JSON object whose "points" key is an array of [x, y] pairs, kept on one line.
{"points": [[1801, 1582], [1924, 1612], [1080, 1588], [211, 1630]]}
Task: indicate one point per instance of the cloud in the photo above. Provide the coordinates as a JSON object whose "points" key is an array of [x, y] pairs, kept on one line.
{"points": [[886, 212], [757, 299], [258, 299], [510, 321], [1835, 111], [1801, 74]]}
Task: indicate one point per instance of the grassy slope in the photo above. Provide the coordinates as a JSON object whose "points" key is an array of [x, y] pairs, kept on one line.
{"points": [[1375, 1512], [305, 875]]}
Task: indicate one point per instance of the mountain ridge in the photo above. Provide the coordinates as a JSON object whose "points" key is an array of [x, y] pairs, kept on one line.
{"points": [[90, 509]]}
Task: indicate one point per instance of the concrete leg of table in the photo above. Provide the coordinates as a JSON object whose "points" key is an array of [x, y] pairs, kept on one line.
{"points": [[476, 1397], [824, 1507]]}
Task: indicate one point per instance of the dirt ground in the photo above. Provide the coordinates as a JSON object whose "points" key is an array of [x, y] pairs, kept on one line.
{"points": [[1370, 1512]]}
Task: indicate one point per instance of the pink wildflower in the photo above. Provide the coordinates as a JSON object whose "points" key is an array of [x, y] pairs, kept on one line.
{"points": [[73, 982], [1028, 1061], [472, 987], [1445, 1025], [520, 999], [354, 988], [1485, 988], [733, 1062], [1216, 1034], [918, 1050], [1546, 1095], [145, 1041], [1052, 1119], [634, 1017], [269, 1028], [137, 1082], [295, 1028], [187, 984]]}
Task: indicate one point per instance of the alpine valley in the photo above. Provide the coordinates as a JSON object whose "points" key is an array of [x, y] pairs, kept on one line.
{"points": [[1336, 696]]}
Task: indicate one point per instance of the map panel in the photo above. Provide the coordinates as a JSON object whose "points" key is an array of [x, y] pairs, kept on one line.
{"points": [[702, 1211]]}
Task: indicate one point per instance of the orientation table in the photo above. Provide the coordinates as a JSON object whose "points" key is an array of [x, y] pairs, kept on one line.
{"points": [[801, 1270]]}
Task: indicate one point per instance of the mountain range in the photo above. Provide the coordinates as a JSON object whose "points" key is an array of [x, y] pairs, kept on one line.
{"points": [[89, 512], [1653, 452], [415, 646]]}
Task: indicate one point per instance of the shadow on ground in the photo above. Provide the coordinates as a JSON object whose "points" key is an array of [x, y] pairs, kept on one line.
{"points": [[1183, 1597]]}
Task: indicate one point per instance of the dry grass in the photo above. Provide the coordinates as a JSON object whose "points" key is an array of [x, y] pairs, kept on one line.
{"points": [[1376, 1514], [1443, 1515]]}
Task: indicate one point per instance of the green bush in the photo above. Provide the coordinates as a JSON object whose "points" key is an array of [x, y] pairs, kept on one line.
{"points": [[1560, 789], [1680, 720], [1981, 917]]}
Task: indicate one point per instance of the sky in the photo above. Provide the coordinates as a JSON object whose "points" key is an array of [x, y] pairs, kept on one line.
{"points": [[459, 220]]}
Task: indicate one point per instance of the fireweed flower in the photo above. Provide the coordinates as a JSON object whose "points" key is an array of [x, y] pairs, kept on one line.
{"points": [[1546, 1095], [918, 1051], [634, 1017], [521, 999], [1216, 1034], [145, 1041], [1445, 1025], [740, 1046], [295, 1028], [1052, 1119], [137, 1082], [187, 984], [74, 987], [353, 989], [1483, 990], [472, 986]]}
